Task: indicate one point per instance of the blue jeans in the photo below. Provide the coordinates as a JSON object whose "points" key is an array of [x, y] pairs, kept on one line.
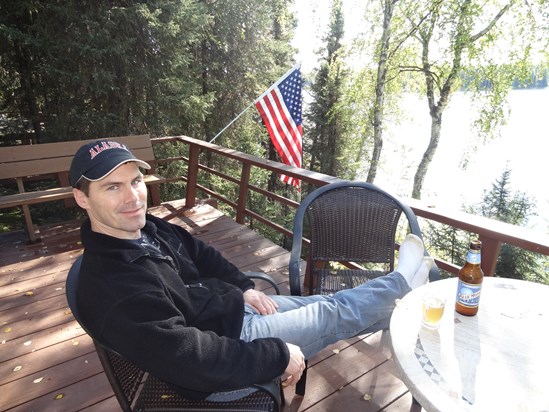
{"points": [[314, 322]]}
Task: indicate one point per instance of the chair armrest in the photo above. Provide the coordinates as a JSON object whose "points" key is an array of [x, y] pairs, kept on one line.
{"points": [[265, 277], [274, 389], [434, 273], [294, 268]]}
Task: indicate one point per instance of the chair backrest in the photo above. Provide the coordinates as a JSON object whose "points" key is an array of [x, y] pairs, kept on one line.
{"points": [[124, 377], [352, 222]]}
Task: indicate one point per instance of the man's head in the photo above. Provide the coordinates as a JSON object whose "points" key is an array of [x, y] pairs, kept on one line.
{"points": [[109, 186]]}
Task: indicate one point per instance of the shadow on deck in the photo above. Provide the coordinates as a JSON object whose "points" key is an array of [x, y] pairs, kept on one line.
{"points": [[47, 362]]}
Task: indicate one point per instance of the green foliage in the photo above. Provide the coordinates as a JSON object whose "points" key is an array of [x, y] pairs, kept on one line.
{"points": [[11, 219], [174, 190], [437, 48], [502, 204], [498, 203], [327, 137], [447, 242], [247, 49], [85, 69], [495, 61], [158, 67], [91, 69]]}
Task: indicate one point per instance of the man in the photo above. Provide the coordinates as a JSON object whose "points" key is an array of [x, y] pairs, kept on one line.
{"points": [[174, 306]]}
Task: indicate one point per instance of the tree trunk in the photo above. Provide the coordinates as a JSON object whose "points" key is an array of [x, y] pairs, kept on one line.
{"points": [[380, 88], [27, 84], [436, 126]]}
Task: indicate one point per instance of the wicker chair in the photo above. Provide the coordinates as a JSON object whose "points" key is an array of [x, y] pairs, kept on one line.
{"points": [[137, 390], [354, 224]]}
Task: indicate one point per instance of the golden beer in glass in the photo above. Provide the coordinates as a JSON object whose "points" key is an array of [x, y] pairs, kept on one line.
{"points": [[433, 309]]}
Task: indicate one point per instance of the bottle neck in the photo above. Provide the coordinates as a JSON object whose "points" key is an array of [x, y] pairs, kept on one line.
{"points": [[473, 257]]}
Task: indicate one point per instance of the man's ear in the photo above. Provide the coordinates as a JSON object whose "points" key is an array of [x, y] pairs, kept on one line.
{"points": [[80, 198]]}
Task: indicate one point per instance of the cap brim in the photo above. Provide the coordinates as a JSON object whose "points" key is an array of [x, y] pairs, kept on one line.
{"points": [[141, 163]]}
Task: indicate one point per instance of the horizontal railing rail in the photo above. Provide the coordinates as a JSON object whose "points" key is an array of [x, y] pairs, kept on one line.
{"points": [[492, 233]]}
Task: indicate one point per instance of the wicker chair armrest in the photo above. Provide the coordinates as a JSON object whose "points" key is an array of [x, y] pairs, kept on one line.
{"points": [[274, 389], [265, 277]]}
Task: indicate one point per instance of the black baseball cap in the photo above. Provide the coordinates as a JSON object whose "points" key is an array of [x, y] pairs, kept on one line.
{"points": [[98, 159]]}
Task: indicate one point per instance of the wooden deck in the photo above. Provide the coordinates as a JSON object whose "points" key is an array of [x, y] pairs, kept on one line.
{"points": [[47, 363]]}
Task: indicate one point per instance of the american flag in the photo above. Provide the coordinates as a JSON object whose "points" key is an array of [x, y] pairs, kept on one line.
{"points": [[280, 108]]}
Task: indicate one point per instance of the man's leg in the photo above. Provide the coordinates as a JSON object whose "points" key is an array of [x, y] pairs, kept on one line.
{"points": [[315, 322]]}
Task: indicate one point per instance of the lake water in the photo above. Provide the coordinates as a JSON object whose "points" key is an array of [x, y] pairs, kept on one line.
{"points": [[522, 146]]}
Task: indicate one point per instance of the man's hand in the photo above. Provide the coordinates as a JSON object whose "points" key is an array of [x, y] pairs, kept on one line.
{"points": [[296, 365], [260, 302]]}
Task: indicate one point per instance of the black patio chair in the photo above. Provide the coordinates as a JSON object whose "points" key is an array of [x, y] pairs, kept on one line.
{"points": [[137, 390], [352, 228]]}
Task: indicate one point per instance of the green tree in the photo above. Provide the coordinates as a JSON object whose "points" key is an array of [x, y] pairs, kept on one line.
{"points": [[383, 66], [246, 50], [83, 69], [456, 41], [247, 46], [391, 50], [325, 141], [500, 203], [448, 242], [17, 60], [96, 68]]}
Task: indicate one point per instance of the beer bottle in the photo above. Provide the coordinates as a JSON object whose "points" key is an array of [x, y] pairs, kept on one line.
{"points": [[470, 281]]}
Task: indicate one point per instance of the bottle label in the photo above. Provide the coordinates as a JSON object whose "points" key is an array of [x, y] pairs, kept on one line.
{"points": [[468, 294], [473, 257]]}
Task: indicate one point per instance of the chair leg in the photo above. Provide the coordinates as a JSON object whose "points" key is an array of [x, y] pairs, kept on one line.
{"points": [[300, 385]]}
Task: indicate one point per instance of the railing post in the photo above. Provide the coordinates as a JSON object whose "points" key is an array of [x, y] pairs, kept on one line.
{"points": [[243, 192], [154, 190], [490, 253], [192, 175]]}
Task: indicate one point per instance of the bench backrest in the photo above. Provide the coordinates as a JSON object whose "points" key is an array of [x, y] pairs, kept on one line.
{"points": [[47, 158]]}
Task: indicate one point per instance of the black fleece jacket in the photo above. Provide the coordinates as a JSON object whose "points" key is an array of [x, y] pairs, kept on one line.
{"points": [[178, 316]]}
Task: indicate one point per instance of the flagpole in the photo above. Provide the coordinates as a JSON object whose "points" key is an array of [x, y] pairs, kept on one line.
{"points": [[252, 103], [232, 121]]}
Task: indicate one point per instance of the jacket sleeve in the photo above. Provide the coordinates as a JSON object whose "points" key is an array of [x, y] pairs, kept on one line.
{"points": [[150, 331]]}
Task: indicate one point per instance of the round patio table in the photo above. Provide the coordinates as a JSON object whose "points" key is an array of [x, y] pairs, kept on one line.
{"points": [[497, 360]]}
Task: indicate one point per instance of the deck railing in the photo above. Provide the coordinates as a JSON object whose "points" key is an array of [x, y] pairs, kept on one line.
{"points": [[492, 233]]}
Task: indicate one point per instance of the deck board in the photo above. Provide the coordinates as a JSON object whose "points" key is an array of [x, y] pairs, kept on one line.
{"points": [[45, 354]]}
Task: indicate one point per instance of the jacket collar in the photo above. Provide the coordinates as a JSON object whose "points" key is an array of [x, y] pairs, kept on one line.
{"points": [[110, 246]]}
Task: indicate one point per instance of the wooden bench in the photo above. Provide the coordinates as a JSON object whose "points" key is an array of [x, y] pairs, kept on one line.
{"points": [[38, 162]]}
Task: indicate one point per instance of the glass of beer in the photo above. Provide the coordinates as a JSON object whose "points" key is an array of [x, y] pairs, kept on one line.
{"points": [[433, 309]]}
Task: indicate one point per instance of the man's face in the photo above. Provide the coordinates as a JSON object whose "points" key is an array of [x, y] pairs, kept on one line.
{"points": [[116, 205]]}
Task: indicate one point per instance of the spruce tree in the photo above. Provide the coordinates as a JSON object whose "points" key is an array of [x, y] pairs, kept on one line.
{"points": [[498, 203], [501, 203], [325, 140], [87, 69]]}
